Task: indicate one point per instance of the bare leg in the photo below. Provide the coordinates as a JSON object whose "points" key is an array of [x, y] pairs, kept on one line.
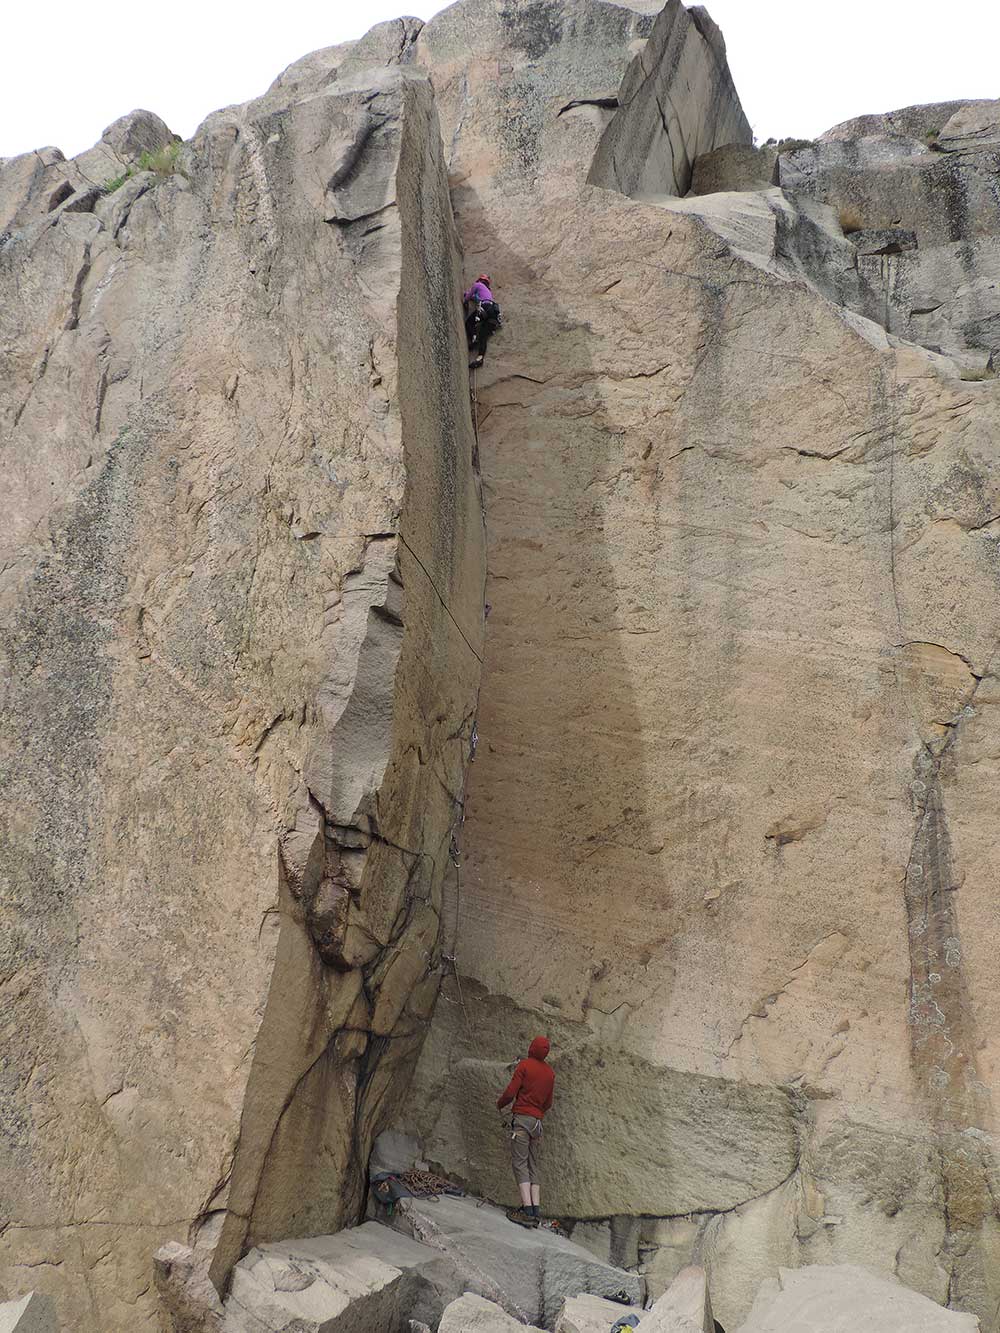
{"points": [[526, 1193], [536, 1191]]}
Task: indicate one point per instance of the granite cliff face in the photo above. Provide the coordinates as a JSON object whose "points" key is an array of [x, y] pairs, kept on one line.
{"points": [[242, 601], [729, 832], [726, 835]]}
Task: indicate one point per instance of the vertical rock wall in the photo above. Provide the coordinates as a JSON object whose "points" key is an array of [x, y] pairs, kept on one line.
{"points": [[729, 833], [241, 619], [725, 836]]}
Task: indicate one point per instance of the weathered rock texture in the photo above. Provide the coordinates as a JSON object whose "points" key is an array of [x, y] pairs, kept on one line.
{"points": [[241, 600], [847, 1299], [728, 834], [272, 1296], [588, 1314], [529, 1272], [677, 101], [43, 183], [915, 195], [685, 1307], [378, 1277], [473, 1314], [938, 284], [33, 1313]]}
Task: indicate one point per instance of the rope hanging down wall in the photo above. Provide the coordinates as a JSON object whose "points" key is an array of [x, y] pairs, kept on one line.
{"points": [[454, 845]]}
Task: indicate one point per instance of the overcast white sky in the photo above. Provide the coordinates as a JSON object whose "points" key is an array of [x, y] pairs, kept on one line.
{"points": [[67, 69]]}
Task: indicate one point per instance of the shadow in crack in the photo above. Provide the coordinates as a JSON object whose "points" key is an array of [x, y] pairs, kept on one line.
{"points": [[557, 792]]}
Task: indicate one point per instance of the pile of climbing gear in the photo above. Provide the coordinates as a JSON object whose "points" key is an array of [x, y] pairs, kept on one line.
{"points": [[388, 1190], [427, 1185], [525, 1219], [389, 1187]]}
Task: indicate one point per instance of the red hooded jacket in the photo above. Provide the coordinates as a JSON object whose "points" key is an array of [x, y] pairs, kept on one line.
{"points": [[531, 1087]]}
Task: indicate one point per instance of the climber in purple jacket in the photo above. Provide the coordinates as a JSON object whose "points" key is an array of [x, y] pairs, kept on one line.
{"points": [[482, 317]]}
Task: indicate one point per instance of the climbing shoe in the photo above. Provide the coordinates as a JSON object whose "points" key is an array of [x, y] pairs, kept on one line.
{"points": [[521, 1217]]}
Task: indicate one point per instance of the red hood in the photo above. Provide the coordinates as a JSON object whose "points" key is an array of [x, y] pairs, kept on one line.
{"points": [[539, 1048]]}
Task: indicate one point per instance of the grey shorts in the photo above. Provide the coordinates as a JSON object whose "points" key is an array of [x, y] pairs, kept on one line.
{"points": [[525, 1148]]}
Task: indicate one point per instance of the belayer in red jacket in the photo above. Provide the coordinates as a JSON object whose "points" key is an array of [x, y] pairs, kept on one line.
{"points": [[531, 1092]]}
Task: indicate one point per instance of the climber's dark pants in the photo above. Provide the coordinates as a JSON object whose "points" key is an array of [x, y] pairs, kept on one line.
{"points": [[480, 324], [525, 1148]]}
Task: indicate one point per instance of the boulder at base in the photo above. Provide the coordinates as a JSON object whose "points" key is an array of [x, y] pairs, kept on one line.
{"points": [[528, 1272], [475, 1314], [842, 1298], [274, 1293], [684, 1307], [588, 1314], [365, 1278]]}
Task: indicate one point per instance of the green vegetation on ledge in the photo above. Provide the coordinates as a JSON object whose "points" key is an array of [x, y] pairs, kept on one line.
{"points": [[163, 162]]}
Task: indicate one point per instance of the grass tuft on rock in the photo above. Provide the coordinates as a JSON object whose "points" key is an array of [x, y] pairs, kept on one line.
{"points": [[793, 145], [163, 162]]}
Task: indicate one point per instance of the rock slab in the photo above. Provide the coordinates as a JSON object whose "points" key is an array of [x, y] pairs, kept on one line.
{"points": [[588, 1314], [843, 1298], [474, 1314], [274, 1292], [368, 1273], [529, 1272], [34, 1313], [684, 1307]]}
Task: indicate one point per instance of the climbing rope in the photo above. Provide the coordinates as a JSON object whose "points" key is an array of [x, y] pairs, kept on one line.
{"points": [[454, 848], [455, 857], [428, 1185]]}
